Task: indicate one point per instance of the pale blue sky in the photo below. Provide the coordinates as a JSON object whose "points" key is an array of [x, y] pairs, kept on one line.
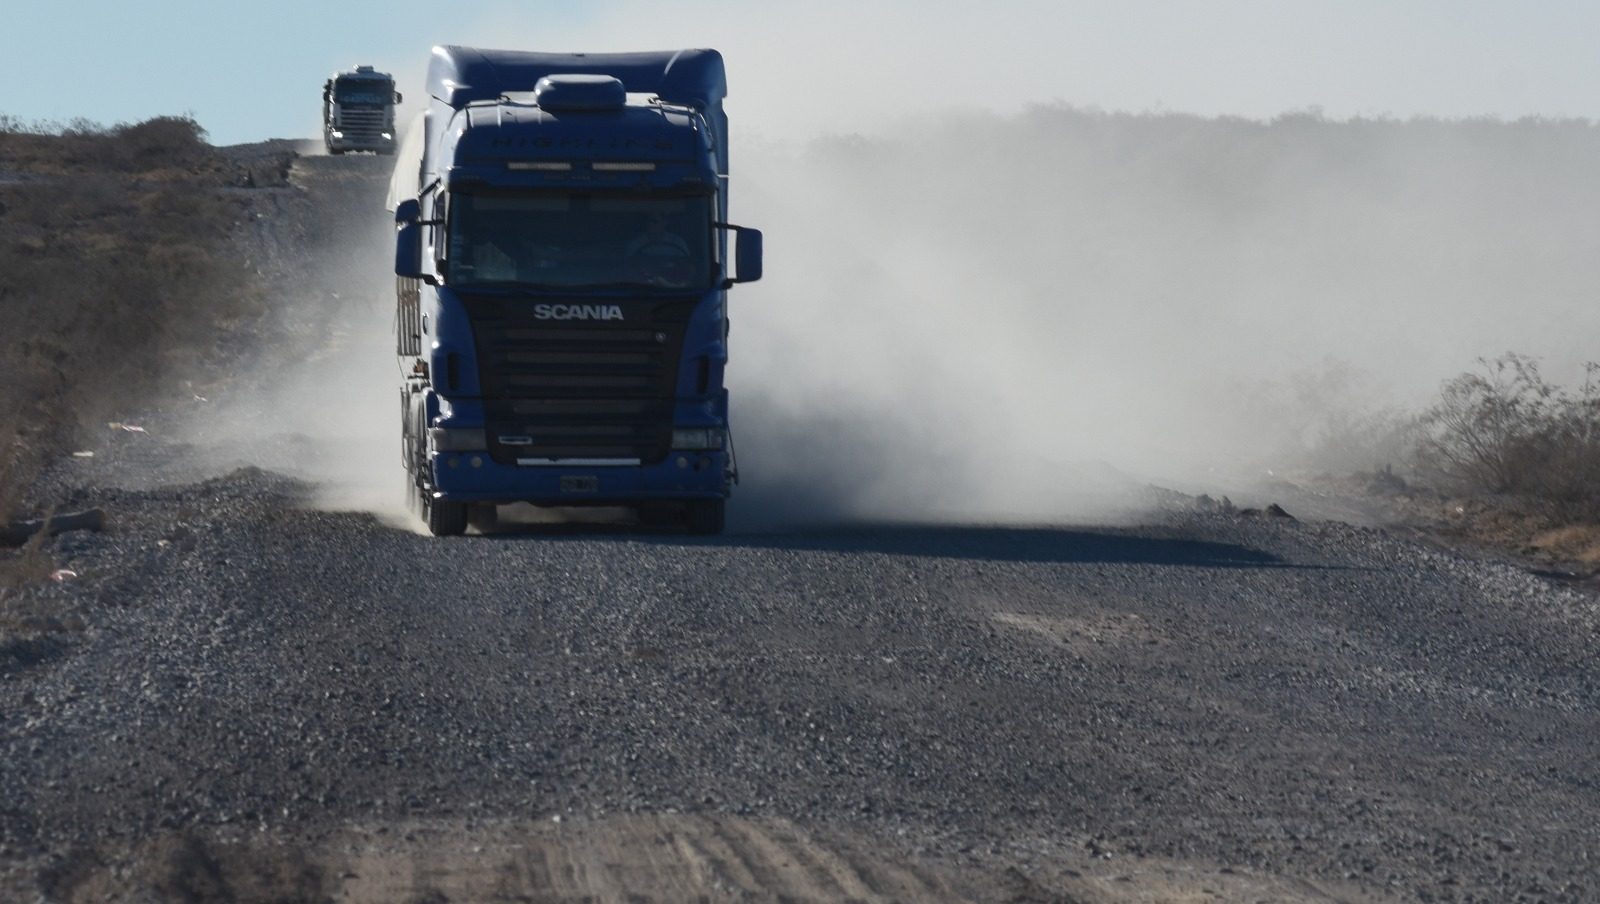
{"points": [[252, 71]]}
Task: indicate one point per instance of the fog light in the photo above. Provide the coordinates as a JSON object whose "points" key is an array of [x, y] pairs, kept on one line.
{"points": [[682, 462], [477, 461], [450, 439], [454, 462]]}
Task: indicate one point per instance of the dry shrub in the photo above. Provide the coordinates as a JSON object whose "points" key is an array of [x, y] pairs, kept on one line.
{"points": [[162, 142], [1504, 428], [165, 143]]}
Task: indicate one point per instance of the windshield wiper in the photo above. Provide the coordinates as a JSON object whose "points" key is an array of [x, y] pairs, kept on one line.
{"points": [[577, 288], [634, 285]]}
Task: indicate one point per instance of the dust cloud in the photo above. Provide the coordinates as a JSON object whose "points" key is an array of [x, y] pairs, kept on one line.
{"points": [[1029, 316], [316, 396]]}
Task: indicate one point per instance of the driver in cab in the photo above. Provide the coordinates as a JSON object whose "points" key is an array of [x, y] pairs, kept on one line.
{"points": [[658, 241]]}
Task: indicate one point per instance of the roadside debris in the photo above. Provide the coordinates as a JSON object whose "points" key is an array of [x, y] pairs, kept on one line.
{"points": [[62, 575], [83, 455], [17, 533], [1225, 506], [130, 428]]}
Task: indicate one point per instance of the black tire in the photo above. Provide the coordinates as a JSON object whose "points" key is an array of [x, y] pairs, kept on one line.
{"points": [[483, 517], [705, 517], [446, 519]]}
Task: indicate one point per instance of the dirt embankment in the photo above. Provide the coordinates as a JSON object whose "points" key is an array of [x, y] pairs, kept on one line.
{"points": [[121, 289]]}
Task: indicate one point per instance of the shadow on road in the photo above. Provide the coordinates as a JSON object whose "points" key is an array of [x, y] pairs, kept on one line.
{"points": [[973, 542], [1011, 544]]}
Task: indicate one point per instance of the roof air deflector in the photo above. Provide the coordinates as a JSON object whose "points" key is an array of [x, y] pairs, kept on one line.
{"points": [[580, 93]]}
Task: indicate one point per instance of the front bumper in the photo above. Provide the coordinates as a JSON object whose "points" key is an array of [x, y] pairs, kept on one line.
{"points": [[701, 475], [360, 143]]}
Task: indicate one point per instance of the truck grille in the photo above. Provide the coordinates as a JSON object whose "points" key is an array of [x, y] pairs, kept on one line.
{"points": [[362, 122], [578, 389]]}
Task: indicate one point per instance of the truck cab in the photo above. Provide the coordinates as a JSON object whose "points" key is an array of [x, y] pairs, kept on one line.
{"points": [[358, 111], [562, 253]]}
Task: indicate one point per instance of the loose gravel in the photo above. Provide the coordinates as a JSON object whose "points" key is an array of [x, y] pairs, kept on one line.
{"points": [[1303, 700]]}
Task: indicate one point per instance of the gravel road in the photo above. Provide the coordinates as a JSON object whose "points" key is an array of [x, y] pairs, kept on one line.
{"points": [[254, 699]]}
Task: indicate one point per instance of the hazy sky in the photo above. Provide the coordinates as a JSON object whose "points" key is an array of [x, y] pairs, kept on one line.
{"points": [[252, 71]]}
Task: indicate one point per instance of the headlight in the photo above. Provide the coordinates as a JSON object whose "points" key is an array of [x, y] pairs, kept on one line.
{"points": [[446, 439], [337, 133], [387, 137], [698, 438]]}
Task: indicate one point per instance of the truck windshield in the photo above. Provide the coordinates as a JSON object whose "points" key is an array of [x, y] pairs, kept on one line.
{"points": [[365, 91], [560, 240]]}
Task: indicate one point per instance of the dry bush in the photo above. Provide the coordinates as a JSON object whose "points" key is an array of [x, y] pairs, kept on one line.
{"points": [[160, 142], [165, 143], [1505, 429]]}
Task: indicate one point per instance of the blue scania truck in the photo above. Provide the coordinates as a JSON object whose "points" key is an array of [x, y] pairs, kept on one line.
{"points": [[562, 254]]}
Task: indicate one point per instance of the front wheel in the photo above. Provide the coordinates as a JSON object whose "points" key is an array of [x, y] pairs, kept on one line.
{"points": [[705, 516]]}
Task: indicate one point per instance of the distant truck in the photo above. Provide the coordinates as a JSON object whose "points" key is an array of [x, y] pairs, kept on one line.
{"points": [[358, 111], [562, 254]]}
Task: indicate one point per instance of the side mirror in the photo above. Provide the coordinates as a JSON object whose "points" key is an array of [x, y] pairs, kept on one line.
{"points": [[408, 239], [398, 97], [746, 254]]}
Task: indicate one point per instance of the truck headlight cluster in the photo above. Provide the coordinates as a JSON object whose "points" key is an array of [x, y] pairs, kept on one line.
{"points": [[698, 438]]}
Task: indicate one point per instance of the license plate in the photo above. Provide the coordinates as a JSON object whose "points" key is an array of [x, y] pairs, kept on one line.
{"points": [[580, 484]]}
